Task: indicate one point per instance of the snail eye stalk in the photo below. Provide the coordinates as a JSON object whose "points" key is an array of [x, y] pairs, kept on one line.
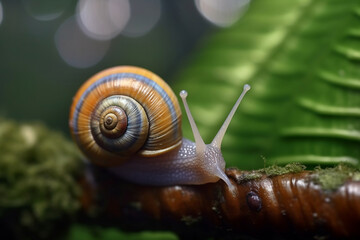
{"points": [[200, 145], [216, 142]]}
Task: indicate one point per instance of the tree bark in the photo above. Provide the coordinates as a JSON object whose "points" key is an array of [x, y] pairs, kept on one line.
{"points": [[290, 206]]}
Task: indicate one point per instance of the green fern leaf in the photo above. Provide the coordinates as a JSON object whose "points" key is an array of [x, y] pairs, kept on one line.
{"points": [[302, 59]]}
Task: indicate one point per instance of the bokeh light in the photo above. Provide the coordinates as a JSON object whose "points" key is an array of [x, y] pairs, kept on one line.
{"points": [[222, 13], [44, 39], [102, 19], [77, 49], [45, 10], [144, 16], [1, 13]]}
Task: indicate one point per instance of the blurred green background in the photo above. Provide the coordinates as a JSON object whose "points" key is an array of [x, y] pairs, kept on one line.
{"points": [[45, 56]]}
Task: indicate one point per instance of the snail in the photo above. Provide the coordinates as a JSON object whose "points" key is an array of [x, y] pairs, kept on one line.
{"points": [[129, 120]]}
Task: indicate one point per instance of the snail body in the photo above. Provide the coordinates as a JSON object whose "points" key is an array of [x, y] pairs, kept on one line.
{"points": [[129, 120]]}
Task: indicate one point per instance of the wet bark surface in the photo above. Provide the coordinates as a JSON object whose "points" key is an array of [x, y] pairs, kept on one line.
{"points": [[285, 206]]}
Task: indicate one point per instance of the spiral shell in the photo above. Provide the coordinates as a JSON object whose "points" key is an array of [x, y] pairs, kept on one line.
{"points": [[123, 112]]}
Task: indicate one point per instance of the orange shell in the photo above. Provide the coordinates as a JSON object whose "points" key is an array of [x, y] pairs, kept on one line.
{"points": [[156, 97]]}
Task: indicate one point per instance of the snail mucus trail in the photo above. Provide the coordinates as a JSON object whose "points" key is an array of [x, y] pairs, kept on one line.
{"points": [[129, 120]]}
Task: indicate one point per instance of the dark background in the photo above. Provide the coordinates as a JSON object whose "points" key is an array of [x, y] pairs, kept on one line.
{"points": [[36, 84]]}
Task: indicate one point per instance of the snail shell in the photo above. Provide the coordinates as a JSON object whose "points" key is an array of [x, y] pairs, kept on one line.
{"points": [[125, 111], [129, 120]]}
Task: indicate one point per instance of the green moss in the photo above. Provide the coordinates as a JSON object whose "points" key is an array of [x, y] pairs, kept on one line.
{"points": [[270, 172], [328, 178], [38, 170], [280, 170], [252, 176], [333, 178]]}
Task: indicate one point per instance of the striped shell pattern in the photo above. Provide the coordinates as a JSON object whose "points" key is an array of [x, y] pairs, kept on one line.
{"points": [[125, 111]]}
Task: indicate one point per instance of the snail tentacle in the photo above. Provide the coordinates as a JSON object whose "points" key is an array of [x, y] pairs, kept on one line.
{"points": [[129, 120], [210, 154]]}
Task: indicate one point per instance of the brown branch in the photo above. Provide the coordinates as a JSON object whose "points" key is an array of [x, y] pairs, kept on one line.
{"points": [[289, 205]]}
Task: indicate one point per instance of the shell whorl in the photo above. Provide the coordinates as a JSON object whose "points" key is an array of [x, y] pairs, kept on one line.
{"points": [[125, 111]]}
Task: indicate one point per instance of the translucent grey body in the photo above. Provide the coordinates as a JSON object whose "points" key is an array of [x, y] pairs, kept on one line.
{"points": [[193, 163], [180, 166]]}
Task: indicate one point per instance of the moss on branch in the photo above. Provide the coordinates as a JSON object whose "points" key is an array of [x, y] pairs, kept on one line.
{"points": [[38, 186], [44, 184]]}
